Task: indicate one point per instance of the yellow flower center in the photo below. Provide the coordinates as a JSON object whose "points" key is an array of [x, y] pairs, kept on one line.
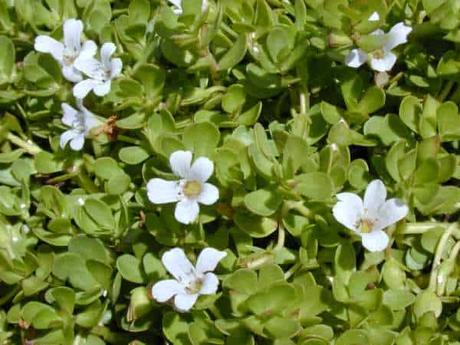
{"points": [[366, 226], [192, 189], [378, 54], [194, 286]]}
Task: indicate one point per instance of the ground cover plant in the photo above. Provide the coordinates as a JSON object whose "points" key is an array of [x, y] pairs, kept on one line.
{"points": [[229, 172]]}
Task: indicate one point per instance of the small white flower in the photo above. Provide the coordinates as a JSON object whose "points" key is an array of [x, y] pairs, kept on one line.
{"points": [[100, 73], [190, 282], [374, 17], [382, 59], [368, 218], [68, 52], [177, 4], [81, 121], [190, 190]]}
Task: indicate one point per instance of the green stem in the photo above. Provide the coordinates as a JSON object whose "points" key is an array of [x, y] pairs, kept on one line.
{"points": [[87, 184], [421, 228], [28, 145], [281, 237], [128, 140], [445, 90], [292, 270], [438, 255]]}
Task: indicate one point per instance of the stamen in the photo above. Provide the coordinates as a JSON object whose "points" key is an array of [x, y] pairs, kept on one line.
{"points": [[192, 189]]}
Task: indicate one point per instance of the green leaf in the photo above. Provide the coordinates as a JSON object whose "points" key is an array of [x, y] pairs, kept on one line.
{"points": [[316, 186], [130, 268], [7, 59], [235, 54], [133, 155], [263, 202], [201, 139]]}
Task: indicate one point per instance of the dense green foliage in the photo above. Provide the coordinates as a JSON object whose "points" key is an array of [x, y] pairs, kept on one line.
{"points": [[260, 87]]}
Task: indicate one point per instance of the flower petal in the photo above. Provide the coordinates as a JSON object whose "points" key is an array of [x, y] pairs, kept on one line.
{"points": [[88, 50], [210, 284], [348, 210], [375, 241], [355, 58], [91, 67], [77, 143], [384, 64], [107, 51], [374, 17], [177, 6], [185, 302], [166, 289], [84, 87], [186, 211], [72, 34], [90, 121], [201, 170], [160, 191], [71, 74], [208, 259], [180, 162], [69, 114], [116, 67], [102, 88], [175, 261], [209, 194], [46, 44], [391, 212], [374, 198], [67, 136], [397, 35]]}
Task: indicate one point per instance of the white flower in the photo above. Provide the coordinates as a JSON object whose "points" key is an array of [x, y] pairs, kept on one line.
{"points": [[382, 59], [100, 73], [368, 218], [81, 121], [66, 54], [190, 282], [178, 6], [374, 17], [190, 190]]}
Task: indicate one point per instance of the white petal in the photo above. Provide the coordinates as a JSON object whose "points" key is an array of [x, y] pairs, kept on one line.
{"points": [[91, 121], [374, 198], [166, 289], [397, 35], [71, 74], [160, 191], [90, 66], [210, 284], [177, 6], [208, 259], [72, 34], [69, 114], [84, 87], [102, 88], [107, 51], [374, 17], [375, 241], [46, 44], [67, 136], [201, 170], [175, 261], [209, 194], [180, 162], [116, 67], [77, 143], [186, 211], [385, 64], [88, 50], [391, 212], [378, 32], [355, 58], [185, 302], [348, 210]]}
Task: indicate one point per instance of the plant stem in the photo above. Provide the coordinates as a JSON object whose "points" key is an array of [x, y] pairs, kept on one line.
{"points": [[281, 237], [28, 145], [438, 255]]}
